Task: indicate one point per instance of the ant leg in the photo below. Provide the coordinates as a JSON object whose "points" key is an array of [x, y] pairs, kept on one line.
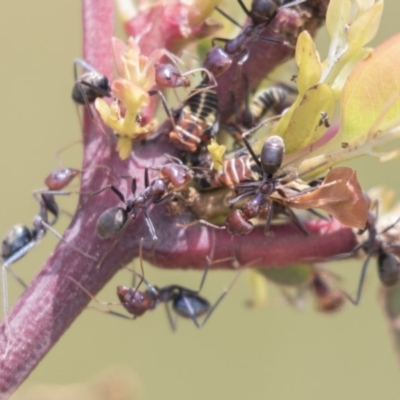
{"points": [[356, 301], [219, 39], [165, 105], [21, 252], [10, 260], [291, 4], [134, 274], [113, 188], [388, 228], [220, 298], [244, 8], [319, 215], [151, 227], [191, 312], [276, 41], [47, 204], [296, 221], [203, 278], [146, 179], [202, 222], [4, 284], [243, 58], [347, 255], [250, 149], [229, 18], [210, 75], [17, 278], [84, 65], [247, 119], [171, 319], [64, 148], [81, 96], [100, 303], [55, 233], [240, 196], [268, 218]]}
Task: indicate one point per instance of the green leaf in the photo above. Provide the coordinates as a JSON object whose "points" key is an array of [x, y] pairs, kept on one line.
{"points": [[306, 126]]}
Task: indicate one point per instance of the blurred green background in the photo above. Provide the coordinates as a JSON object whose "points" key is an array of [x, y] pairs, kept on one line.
{"points": [[277, 352]]}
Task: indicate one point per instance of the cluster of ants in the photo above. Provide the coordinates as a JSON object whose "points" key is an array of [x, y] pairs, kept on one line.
{"points": [[252, 180]]}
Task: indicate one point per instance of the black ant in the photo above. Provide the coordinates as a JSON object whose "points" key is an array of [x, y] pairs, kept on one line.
{"points": [[91, 85], [21, 239], [258, 179], [112, 221], [305, 278], [185, 302], [262, 13], [328, 299], [388, 264]]}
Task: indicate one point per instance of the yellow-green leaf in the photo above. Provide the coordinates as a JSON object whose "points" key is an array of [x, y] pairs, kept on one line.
{"points": [[372, 85], [306, 124], [337, 16], [293, 275], [307, 59], [365, 27]]}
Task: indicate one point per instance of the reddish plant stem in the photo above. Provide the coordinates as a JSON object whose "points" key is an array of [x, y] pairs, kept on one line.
{"points": [[53, 301]]}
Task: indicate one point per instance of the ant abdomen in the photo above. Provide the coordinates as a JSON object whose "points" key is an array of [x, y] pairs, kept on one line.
{"points": [[16, 238], [388, 269], [263, 11], [111, 222], [237, 224], [85, 91], [272, 154], [189, 305]]}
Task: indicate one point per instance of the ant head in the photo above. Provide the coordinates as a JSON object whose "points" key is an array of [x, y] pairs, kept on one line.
{"points": [[333, 301], [236, 224], [388, 268], [272, 154], [111, 222], [134, 301], [217, 61], [168, 76], [263, 11], [327, 299], [178, 174], [16, 238], [60, 178]]}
